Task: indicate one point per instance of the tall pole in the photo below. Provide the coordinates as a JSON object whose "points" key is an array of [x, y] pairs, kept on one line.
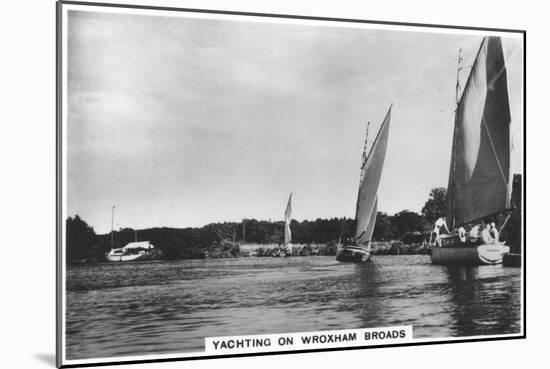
{"points": [[453, 154], [459, 68], [112, 226], [244, 231], [505, 221], [365, 147]]}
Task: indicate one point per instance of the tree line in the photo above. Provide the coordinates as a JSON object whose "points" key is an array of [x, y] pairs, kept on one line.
{"points": [[84, 245]]}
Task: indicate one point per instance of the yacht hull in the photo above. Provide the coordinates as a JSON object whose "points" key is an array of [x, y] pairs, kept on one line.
{"points": [[353, 254], [130, 257], [485, 254], [511, 260]]}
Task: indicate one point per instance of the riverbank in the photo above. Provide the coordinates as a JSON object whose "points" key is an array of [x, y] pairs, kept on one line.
{"points": [[235, 250], [377, 248]]}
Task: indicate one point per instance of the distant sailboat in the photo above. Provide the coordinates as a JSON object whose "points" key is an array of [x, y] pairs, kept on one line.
{"points": [[287, 246], [286, 249], [367, 198], [133, 251], [479, 176]]}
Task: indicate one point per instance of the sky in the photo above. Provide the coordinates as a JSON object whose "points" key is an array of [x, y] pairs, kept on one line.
{"points": [[181, 122]]}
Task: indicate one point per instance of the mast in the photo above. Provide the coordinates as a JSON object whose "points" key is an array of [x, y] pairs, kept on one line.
{"points": [[453, 155], [380, 130], [364, 157], [365, 147], [112, 226], [244, 231]]}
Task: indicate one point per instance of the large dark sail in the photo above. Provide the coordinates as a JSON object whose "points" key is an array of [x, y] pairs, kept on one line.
{"points": [[371, 171], [480, 161]]}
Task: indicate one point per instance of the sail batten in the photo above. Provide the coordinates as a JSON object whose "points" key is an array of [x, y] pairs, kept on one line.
{"points": [[480, 161], [371, 172]]}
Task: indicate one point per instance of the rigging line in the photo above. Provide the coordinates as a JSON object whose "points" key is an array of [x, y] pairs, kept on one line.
{"points": [[473, 69], [503, 225], [502, 69], [491, 83], [361, 235], [494, 150]]}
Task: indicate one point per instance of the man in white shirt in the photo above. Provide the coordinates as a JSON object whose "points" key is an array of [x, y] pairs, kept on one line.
{"points": [[474, 233], [462, 234], [439, 224], [486, 235]]}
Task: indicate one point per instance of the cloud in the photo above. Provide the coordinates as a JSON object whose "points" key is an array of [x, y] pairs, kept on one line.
{"points": [[198, 120]]}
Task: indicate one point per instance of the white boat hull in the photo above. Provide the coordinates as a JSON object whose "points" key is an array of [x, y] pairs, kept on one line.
{"points": [[128, 257], [353, 254], [485, 254]]}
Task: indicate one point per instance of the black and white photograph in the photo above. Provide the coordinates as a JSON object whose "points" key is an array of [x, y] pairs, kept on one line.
{"points": [[240, 184]]}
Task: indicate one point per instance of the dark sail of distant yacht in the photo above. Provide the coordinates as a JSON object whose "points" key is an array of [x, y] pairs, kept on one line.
{"points": [[367, 198], [479, 175]]}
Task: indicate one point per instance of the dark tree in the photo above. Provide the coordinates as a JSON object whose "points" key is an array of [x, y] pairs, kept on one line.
{"points": [[81, 241], [436, 205], [407, 221], [384, 230]]}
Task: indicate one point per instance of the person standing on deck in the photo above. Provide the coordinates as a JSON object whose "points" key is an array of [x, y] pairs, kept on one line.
{"points": [[462, 234], [494, 232], [439, 224], [474, 233], [486, 235]]}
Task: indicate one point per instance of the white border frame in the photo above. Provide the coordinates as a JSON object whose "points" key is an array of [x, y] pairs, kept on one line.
{"points": [[64, 8]]}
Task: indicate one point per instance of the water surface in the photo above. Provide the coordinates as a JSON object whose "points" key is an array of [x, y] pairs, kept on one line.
{"points": [[120, 309]]}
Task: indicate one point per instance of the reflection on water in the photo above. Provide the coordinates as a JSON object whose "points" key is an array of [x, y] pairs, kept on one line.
{"points": [[170, 306]]}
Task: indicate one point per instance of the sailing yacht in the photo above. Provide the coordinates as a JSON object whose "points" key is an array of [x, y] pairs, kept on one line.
{"points": [[286, 249], [479, 177], [133, 251], [367, 199], [287, 246]]}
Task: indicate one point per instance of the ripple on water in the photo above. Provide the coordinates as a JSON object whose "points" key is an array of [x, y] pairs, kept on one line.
{"points": [[170, 306]]}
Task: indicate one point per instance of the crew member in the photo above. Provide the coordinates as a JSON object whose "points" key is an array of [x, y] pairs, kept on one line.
{"points": [[474, 233], [439, 224], [486, 235], [462, 234]]}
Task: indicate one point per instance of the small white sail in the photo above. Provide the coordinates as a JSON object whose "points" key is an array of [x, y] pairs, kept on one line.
{"points": [[288, 216]]}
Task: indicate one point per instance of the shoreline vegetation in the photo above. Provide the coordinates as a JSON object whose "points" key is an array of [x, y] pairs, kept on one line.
{"points": [[403, 233]]}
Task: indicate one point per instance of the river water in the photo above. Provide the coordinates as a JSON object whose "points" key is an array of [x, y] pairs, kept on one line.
{"points": [[170, 306]]}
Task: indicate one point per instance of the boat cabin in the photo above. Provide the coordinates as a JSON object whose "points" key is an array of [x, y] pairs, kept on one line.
{"points": [[138, 247]]}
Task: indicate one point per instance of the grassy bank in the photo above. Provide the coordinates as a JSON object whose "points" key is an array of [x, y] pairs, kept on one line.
{"points": [[229, 249]]}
